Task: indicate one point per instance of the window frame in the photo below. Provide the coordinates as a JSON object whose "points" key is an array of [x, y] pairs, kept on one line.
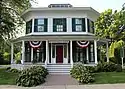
{"points": [[75, 24], [37, 24], [59, 23], [29, 26]]}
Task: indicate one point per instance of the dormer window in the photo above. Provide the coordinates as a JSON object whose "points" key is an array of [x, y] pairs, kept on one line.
{"points": [[59, 25], [40, 25], [78, 24]]}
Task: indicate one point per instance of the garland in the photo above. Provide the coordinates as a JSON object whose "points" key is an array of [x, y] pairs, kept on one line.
{"points": [[83, 44], [35, 44]]}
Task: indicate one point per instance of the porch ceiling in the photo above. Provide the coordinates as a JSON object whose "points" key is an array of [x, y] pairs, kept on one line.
{"points": [[57, 37]]}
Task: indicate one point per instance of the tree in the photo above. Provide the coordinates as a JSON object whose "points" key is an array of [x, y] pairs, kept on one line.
{"points": [[111, 25], [10, 20]]}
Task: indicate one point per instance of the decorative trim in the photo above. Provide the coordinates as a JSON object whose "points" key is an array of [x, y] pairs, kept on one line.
{"points": [[35, 44], [83, 44]]}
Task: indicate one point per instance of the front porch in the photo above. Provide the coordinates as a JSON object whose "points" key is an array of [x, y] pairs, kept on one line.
{"points": [[58, 54]]}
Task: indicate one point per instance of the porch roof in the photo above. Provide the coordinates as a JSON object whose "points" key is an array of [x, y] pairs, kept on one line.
{"points": [[57, 37]]}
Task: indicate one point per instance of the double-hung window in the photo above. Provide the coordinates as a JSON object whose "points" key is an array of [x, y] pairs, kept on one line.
{"points": [[59, 25], [78, 24], [90, 26], [29, 27], [40, 25]]}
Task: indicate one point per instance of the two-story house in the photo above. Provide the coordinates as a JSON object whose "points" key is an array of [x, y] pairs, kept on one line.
{"points": [[58, 36]]}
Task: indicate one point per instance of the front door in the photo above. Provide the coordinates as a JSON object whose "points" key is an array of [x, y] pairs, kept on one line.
{"points": [[59, 54]]}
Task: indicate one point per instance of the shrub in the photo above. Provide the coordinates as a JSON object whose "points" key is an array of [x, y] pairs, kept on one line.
{"points": [[82, 74], [32, 76], [91, 69], [118, 68], [105, 67]]}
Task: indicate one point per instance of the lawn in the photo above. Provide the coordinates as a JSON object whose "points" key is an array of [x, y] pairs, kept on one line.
{"points": [[7, 78], [109, 77]]}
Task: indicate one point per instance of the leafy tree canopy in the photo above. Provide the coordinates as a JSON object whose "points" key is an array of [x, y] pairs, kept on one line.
{"points": [[111, 25], [10, 20]]}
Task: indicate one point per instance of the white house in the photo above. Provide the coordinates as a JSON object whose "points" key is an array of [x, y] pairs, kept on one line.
{"points": [[59, 36]]}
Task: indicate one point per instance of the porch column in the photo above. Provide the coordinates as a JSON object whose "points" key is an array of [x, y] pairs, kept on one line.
{"points": [[87, 54], [31, 54], [71, 59], [12, 51], [95, 49], [107, 53], [46, 61], [23, 52]]}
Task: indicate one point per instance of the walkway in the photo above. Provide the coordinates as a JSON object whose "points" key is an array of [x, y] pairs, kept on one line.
{"points": [[97, 86], [60, 80]]}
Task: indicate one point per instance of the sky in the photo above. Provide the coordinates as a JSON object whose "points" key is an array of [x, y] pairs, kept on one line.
{"points": [[99, 5]]}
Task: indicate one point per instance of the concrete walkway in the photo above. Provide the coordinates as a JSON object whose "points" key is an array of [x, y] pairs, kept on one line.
{"points": [[59, 79], [96, 86]]}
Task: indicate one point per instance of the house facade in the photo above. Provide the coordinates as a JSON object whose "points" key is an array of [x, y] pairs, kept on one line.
{"points": [[57, 37]]}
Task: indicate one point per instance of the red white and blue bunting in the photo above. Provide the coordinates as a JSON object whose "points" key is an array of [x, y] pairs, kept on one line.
{"points": [[35, 44], [83, 44]]}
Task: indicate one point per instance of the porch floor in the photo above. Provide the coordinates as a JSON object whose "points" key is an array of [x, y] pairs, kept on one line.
{"points": [[60, 79]]}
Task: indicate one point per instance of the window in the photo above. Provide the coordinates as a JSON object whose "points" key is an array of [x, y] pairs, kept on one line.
{"points": [[59, 25], [27, 52], [65, 51], [91, 52], [78, 24], [90, 26], [40, 25], [29, 27], [39, 53], [53, 51]]}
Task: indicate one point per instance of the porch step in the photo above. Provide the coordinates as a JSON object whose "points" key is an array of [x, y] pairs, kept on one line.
{"points": [[59, 68]]}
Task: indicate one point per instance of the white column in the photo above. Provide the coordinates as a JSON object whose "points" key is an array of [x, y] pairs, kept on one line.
{"points": [[12, 51], [95, 48], [46, 61], [32, 26], [86, 24], [87, 55], [31, 54], [69, 24], [50, 24], [107, 53], [23, 52], [71, 59]]}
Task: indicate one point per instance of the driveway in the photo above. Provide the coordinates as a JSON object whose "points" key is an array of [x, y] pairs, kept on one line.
{"points": [[96, 86]]}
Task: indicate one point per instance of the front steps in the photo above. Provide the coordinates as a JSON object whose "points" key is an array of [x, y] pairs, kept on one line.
{"points": [[59, 68]]}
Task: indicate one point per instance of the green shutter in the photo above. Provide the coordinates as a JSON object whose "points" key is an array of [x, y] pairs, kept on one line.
{"points": [[73, 25], [45, 25], [88, 25], [35, 25], [83, 25], [54, 25], [64, 21]]}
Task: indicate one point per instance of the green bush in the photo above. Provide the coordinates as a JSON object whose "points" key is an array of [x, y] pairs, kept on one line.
{"points": [[82, 74], [32, 76], [105, 67], [91, 69], [118, 68]]}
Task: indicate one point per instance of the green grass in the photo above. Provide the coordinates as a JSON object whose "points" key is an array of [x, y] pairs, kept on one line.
{"points": [[7, 78], [109, 77]]}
